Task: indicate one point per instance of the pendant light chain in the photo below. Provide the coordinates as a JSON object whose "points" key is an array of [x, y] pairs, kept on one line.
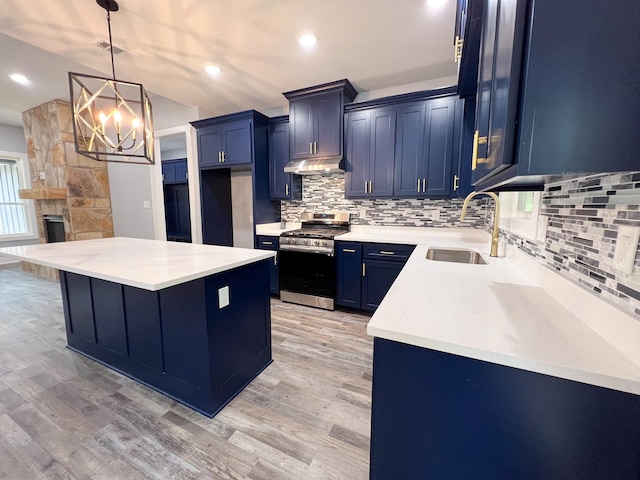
{"points": [[113, 65]]}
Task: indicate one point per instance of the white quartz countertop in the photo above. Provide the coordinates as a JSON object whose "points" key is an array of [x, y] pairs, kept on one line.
{"points": [[276, 229], [148, 264], [497, 312]]}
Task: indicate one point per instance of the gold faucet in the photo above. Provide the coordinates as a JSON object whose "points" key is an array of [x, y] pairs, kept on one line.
{"points": [[495, 235]]}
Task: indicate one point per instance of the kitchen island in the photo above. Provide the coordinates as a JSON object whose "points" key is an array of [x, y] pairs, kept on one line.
{"points": [[501, 370], [191, 321]]}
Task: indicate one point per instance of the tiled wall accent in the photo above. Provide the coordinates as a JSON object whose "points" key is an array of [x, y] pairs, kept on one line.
{"points": [[583, 220], [86, 211], [326, 192]]}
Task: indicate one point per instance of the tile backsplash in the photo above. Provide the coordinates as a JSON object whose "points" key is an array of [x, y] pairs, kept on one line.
{"points": [[326, 192], [583, 218]]}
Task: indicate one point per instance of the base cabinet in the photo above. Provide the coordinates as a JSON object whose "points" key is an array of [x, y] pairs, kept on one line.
{"points": [[438, 415], [177, 340], [366, 271], [266, 242]]}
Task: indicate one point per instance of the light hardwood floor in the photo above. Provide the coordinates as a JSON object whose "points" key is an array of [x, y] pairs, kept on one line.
{"points": [[307, 416]]}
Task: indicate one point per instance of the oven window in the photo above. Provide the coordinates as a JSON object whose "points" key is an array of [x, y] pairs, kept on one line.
{"points": [[310, 273]]}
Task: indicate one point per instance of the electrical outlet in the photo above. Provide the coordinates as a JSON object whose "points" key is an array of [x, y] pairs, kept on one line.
{"points": [[541, 231], [435, 215], [626, 247], [41, 175], [223, 297], [146, 204], [363, 213]]}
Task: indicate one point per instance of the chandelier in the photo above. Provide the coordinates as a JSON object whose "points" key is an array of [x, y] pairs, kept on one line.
{"points": [[112, 119]]}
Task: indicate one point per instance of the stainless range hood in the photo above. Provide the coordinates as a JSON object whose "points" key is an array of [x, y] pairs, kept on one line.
{"points": [[315, 166]]}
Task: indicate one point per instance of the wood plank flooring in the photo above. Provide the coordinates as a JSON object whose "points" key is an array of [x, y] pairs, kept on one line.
{"points": [[62, 416]]}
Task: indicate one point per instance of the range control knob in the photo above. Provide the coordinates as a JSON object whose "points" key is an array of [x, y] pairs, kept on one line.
{"points": [[316, 242]]}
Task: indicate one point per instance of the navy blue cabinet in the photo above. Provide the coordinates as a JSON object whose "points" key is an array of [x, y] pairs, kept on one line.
{"points": [[425, 149], [468, 33], [225, 143], [283, 186], [348, 264], [573, 82], [266, 242], [498, 86], [370, 153], [174, 171], [366, 271], [441, 416], [396, 147], [316, 119], [244, 140]]}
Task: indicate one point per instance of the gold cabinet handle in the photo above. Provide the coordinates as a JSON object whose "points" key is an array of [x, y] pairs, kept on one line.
{"points": [[384, 252], [424, 185], [286, 189], [455, 182], [418, 185], [477, 140], [364, 270], [457, 49], [315, 148], [348, 250], [370, 186]]}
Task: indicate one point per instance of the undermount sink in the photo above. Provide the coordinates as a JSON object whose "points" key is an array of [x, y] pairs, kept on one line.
{"points": [[456, 256]]}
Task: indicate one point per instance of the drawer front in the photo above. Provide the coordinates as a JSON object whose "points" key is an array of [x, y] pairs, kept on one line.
{"points": [[386, 251], [267, 243]]}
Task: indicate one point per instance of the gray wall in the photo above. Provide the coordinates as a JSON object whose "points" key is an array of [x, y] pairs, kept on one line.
{"points": [[12, 139]]}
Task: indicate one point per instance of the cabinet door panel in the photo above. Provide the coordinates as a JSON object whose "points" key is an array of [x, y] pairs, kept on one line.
{"points": [[438, 149], [349, 275], [181, 171], [237, 143], [142, 311], [209, 146], [376, 281], [168, 172], [81, 321], [278, 158], [357, 158], [383, 124], [301, 127], [409, 147], [499, 88], [327, 124]]}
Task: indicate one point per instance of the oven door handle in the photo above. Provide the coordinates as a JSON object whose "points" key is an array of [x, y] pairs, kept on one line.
{"points": [[307, 249]]}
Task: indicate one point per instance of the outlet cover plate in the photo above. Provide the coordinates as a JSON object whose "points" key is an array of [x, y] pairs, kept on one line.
{"points": [[626, 246], [223, 297]]}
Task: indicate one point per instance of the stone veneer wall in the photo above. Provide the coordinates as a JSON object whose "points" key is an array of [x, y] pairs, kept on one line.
{"points": [[326, 192], [86, 211], [583, 217]]}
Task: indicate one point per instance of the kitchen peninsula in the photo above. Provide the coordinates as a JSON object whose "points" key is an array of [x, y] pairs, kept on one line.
{"points": [[191, 321]]}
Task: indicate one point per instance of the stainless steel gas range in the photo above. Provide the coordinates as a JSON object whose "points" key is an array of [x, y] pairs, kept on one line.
{"points": [[307, 261]]}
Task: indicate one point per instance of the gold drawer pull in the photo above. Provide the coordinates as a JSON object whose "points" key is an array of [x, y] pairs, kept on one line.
{"points": [[348, 250], [384, 252]]}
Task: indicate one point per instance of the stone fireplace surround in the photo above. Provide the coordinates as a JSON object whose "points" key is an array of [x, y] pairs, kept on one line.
{"points": [[86, 210]]}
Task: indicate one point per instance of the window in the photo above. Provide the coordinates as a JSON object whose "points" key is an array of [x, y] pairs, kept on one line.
{"points": [[15, 213], [519, 214]]}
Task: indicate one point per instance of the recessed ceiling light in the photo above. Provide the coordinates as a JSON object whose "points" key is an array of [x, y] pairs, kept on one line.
{"points": [[307, 39], [213, 70], [436, 3], [19, 78]]}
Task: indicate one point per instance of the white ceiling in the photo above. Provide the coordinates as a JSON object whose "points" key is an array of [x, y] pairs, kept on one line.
{"points": [[376, 44]]}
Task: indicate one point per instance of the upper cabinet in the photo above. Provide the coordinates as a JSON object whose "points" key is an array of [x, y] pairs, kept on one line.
{"points": [[558, 91], [498, 84], [174, 171], [316, 119], [370, 151], [283, 186], [224, 141], [466, 44], [406, 148]]}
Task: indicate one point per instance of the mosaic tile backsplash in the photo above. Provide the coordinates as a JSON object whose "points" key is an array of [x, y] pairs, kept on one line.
{"points": [[326, 192], [583, 218]]}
